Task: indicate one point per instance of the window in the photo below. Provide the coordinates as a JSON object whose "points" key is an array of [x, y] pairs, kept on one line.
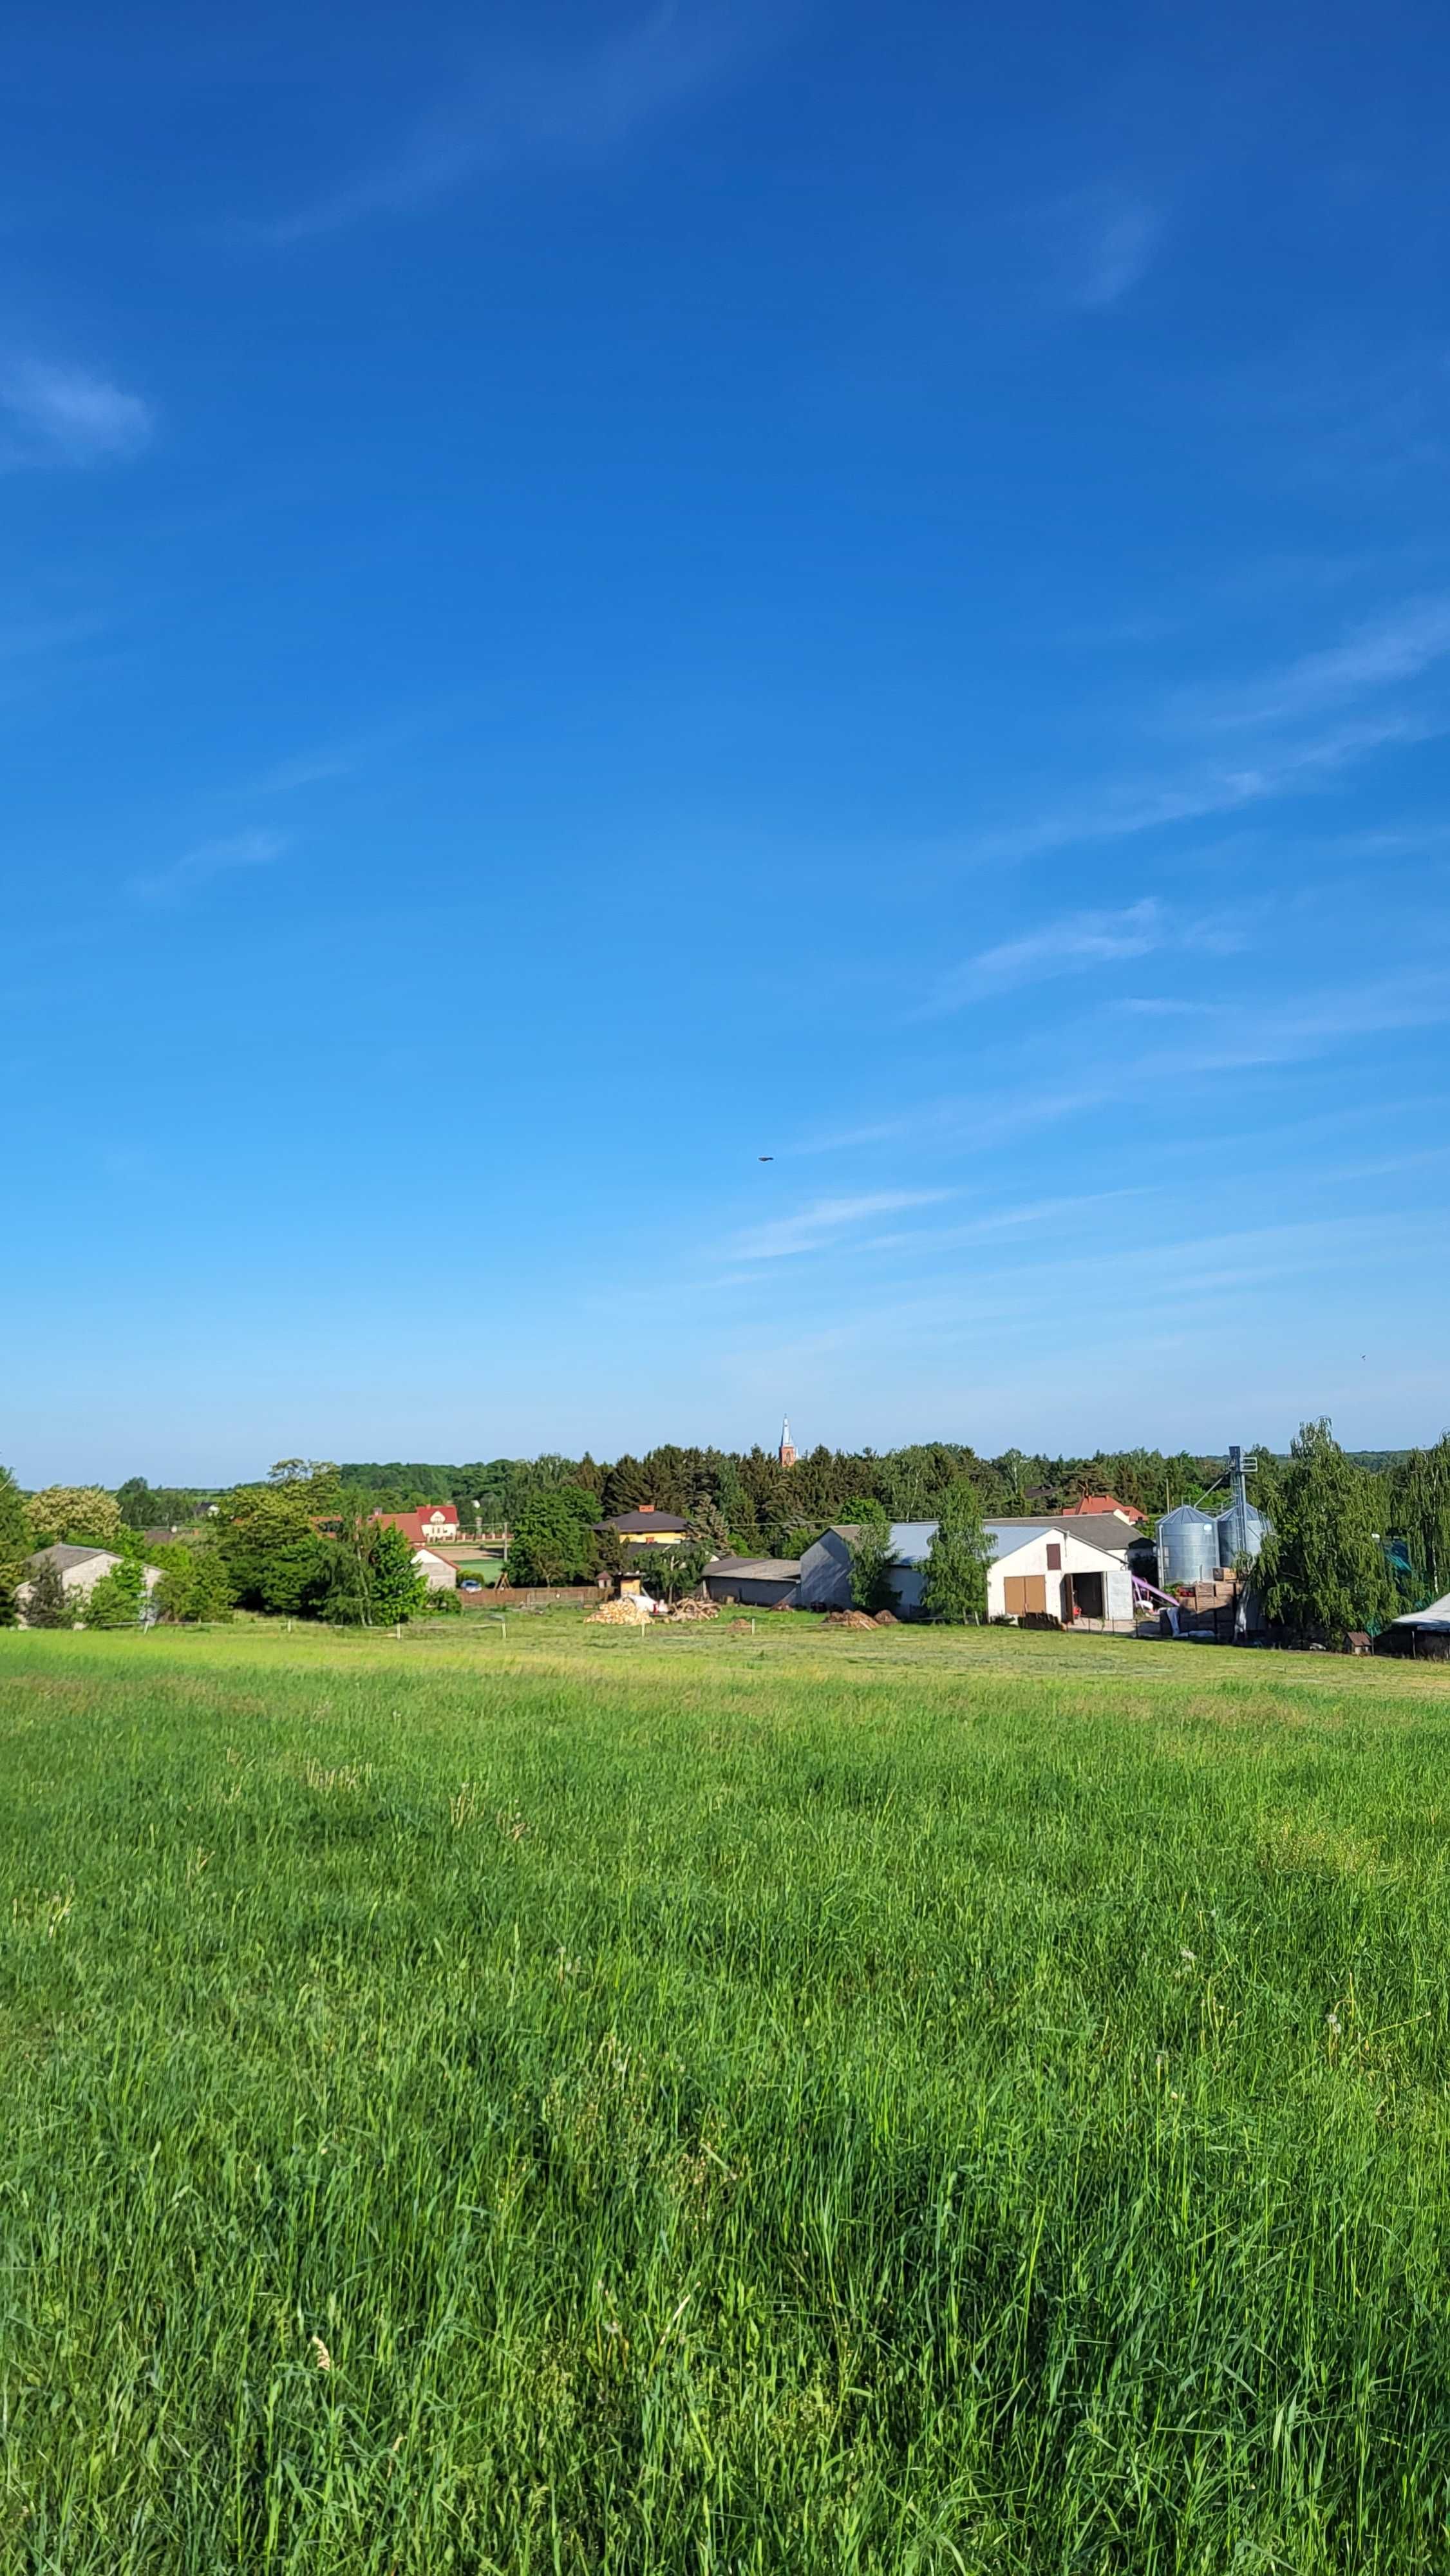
{"points": [[1054, 1556]]}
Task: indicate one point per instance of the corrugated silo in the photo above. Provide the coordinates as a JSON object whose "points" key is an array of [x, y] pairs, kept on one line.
{"points": [[1240, 1533], [1187, 1546]]}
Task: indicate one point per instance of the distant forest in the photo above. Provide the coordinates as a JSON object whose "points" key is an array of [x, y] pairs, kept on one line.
{"points": [[748, 1498], [753, 1497]]}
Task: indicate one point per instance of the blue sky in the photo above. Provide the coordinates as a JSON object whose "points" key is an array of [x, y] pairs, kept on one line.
{"points": [[590, 594]]}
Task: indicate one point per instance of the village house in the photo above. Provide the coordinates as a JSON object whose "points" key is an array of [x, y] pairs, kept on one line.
{"points": [[647, 1527], [432, 1525]]}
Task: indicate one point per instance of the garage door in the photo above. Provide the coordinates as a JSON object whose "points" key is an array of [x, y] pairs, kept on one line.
{"points": [[1023, 1592]]}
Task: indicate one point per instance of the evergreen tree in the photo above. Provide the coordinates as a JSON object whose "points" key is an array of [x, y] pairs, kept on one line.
{"points": [[46, 1604], [955, 1584], [1324, 1570]]}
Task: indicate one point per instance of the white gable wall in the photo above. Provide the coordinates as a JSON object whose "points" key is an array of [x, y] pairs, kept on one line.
{"points": [[1031, 1557]]}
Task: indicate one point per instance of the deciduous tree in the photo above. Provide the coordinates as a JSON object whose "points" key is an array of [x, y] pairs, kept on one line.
{"points": [[873, 1560], [1324, 1570], [85, 1514], [1420, 1493], [117, 1600], [955, 1584], [553, 1538]]}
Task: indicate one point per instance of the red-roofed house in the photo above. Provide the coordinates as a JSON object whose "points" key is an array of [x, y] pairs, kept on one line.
{"points": [[433, 1524], [1099, 1503]]}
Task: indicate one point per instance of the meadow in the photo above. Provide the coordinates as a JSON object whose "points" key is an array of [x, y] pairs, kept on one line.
{"points": [[721, 2101]]}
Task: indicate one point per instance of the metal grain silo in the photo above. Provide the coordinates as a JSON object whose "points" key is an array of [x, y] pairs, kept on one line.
{"points": [[1187, 1546], [1240, 1533]]}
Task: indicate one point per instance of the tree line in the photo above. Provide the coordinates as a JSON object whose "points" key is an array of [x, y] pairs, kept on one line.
{"points": [[1352, 1543]]}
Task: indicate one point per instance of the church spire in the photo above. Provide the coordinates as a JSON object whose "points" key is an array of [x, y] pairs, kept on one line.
{"points": [[787, 1445]]}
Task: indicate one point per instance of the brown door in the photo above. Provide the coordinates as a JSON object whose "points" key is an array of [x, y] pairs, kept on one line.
{"points": [[1023, 1592]]}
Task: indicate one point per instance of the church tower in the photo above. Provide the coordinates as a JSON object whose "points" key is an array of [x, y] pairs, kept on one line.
{"points": [[787, 1446]]}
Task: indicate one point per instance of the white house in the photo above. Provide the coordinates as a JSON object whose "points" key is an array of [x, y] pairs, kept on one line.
{"points": [[437, 1572], [1037, 1567]]}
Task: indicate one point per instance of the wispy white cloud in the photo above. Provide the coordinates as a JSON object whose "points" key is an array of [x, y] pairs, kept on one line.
{"points": [[211, 859], [823, 1222], [1070, 944], [1396, 647], [1293, 769], [1109, 243], [306, 769], [527, 111], [68, 416]]}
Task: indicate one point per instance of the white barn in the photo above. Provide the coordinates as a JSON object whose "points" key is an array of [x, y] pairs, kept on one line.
{"points": [[1038, 1568]]}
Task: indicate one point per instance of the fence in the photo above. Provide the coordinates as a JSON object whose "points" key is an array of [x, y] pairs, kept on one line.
{"points": [[533, 1596]]}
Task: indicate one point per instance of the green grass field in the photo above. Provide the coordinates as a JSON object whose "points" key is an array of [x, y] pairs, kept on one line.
{"points": [[712, 2101]]}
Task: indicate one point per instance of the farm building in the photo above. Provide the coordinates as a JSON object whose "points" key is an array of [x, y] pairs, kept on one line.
{"points": [[80, 1570], [756, 1582], [1421, 1633], [437, 1572], [1044, 1568]]}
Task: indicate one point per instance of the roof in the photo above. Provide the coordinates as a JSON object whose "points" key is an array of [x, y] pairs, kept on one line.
{"points": [[1010, 1535], [63, 1555], [760, 1569], [1100, 1503], [628, 1523], [1102, 1530], [911, 1541], [1436, 1614], [411, 1523]]}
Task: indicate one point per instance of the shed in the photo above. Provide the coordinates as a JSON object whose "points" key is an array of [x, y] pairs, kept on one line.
{"points": [[1422, 1633], [757, 1582]]}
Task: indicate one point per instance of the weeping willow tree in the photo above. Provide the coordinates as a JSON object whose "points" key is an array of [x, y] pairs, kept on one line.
{"points": [[1324, 1570], [955, 1587], [1421, 1500]]}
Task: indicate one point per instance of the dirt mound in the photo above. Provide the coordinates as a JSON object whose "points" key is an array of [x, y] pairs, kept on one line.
{"points": [[849, 1619], [887, 1619]]}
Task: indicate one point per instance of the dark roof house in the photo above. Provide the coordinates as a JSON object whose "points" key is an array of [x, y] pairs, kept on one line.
{"points": [[645, 1523]]}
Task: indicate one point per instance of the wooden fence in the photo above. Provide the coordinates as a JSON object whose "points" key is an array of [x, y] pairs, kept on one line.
{"points": [[532, 1596]]}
